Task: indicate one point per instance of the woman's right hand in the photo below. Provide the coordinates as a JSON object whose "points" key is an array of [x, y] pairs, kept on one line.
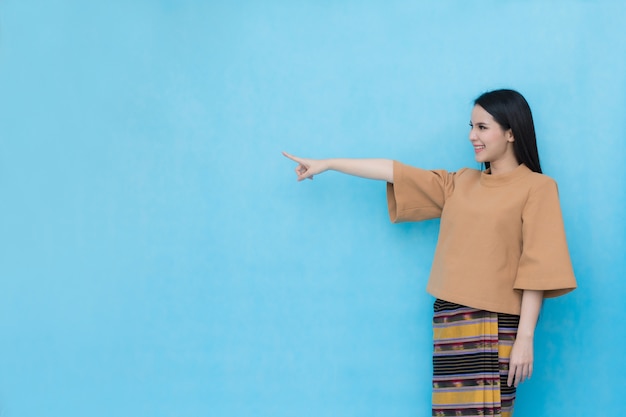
{"points": [[307, 168], [373, 169]]}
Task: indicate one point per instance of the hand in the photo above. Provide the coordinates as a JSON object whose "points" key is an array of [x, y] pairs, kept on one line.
{"points": [[521, 363], [307, 168]]}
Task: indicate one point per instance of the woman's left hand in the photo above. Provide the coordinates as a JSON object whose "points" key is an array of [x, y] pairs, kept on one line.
{"points": [[521, 363]]}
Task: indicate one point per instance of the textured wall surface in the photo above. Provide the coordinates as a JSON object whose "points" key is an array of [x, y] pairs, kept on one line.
{"points": [[158, 258]]}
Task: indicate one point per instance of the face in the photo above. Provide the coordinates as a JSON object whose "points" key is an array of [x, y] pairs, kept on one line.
{"points": [[491, 142]]}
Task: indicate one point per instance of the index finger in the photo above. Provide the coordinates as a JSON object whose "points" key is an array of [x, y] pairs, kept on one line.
{"points": [[293, 158], [511, 377]]}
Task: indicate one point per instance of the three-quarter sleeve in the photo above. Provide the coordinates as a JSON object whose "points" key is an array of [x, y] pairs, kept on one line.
{"points": [[417, 194], [545, 262]]}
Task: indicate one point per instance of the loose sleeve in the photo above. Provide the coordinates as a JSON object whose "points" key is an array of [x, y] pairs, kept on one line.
{"points": [[417, 194], [545, 263]]}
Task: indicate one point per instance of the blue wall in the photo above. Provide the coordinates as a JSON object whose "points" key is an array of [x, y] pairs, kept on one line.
{"points": [[158, 257]]}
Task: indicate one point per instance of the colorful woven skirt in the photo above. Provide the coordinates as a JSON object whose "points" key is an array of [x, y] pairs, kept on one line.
{"points": [[471, 361]]}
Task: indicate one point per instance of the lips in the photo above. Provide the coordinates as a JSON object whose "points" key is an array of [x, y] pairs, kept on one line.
{"points": [[478, 148]]}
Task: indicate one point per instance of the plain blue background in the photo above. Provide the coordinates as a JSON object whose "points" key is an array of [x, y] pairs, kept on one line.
{"points": [[158, 257]]}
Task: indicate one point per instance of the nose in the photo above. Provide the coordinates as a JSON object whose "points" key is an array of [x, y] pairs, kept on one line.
{"points": [[472, 134]]}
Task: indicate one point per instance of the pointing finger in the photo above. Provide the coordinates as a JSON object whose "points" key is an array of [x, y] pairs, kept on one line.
{"points": [[293, 158]]}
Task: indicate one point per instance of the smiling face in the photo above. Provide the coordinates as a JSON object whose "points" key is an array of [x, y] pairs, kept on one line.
{"points": [[491, 142]]}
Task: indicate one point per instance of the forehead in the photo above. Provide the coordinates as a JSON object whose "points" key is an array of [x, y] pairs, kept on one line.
{"points": [[480, 115]]}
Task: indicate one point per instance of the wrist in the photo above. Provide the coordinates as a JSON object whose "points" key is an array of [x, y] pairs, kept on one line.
{"points": [[328, 165], [525, 334]]}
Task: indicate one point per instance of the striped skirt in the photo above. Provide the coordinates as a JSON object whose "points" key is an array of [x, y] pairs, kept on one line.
{"points": [[471, 361]]}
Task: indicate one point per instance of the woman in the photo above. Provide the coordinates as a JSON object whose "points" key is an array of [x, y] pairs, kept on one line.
{"points": [[501, 251]]}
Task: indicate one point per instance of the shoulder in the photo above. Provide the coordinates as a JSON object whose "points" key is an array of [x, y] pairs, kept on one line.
{"points": [[468, 172], [541, 183], [467, 176], [542, 193]]}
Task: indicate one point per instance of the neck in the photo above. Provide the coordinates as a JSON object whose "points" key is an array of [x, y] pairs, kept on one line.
{"points": [[502, 167]]}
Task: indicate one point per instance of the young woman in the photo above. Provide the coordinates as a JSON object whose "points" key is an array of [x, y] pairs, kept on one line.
{"points": [[501, 251]]}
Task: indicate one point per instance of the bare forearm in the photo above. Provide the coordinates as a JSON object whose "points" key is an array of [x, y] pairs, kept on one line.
{"points": [[375, 169], [522, 356], [531, 306]]}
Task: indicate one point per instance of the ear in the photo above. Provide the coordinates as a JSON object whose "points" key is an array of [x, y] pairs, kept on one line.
{"points": [[509, 136]]}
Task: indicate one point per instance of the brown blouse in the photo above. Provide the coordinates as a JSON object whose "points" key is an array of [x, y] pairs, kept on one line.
{"points": [[499, 234]]}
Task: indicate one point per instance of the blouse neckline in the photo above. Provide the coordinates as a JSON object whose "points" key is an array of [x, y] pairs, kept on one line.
{"points": [[490, 180]]}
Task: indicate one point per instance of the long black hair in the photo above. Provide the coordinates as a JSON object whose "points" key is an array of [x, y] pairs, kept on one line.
{"points": [[511, 110]]}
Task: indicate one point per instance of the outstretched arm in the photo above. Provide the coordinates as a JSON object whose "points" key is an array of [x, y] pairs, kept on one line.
{"points": [[521, 364], [375, 169]]}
